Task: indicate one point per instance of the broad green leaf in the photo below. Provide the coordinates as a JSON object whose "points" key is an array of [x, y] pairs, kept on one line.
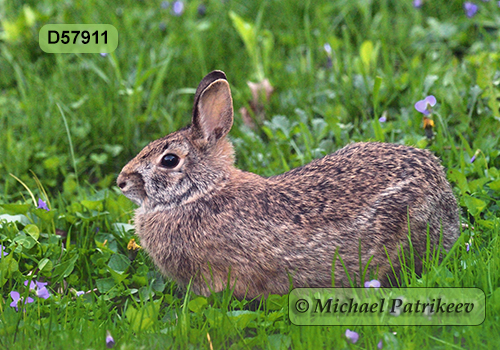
{"points": [[320, 128], [168, 298], [131, 312], [114, 150], [99, 159], [274, 316], [52, 163], [493, 172], [27, 242], [145, 293], [456, 176], [143, 318], [478, 184], [158, 285], [69, 267], [14, 209], [70, 185], [495, 185], [45, 265], [93, 205], [141, 280], [475, 205], [119, 263], [65, 268], [279, 341], [122, 227], [8, 265], [137, 320], [104, 285], [215, 317], [241, 318], [46, 216], [118, 277], [197, 304], [33, 231]]}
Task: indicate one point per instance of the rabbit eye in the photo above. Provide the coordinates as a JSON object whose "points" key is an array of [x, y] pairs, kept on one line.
{"points": [[170, 161]]}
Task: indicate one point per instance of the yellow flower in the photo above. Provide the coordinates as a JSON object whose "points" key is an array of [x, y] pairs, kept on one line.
{"points": [[428, 123], [132, 245]]}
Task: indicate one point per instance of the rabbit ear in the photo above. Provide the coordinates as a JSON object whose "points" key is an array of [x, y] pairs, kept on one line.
{"points": [[209, 79], [213, 107]]}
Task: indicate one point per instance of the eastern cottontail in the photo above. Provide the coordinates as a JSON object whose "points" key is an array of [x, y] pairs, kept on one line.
{"points": [[200, 218]]}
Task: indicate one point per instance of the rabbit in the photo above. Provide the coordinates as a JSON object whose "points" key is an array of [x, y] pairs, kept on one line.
{"points": [[208, 224]]}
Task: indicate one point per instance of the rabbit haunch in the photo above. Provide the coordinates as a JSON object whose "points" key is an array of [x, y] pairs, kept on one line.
{"points": [[203, 219]]}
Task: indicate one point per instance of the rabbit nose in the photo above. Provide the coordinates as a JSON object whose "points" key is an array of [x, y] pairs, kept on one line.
{"points": [[121, 182]]}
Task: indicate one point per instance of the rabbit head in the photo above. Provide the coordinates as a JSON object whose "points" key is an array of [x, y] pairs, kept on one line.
{"points": [[180, 166]]}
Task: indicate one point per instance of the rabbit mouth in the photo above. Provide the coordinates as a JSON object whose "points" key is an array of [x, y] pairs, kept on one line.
{"points": [[135, 194], [132, 186]]}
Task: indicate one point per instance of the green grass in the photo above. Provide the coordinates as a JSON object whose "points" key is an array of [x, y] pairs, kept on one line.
{"points": [[69, 122]]}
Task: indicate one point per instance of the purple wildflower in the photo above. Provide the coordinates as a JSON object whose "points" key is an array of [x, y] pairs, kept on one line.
{"points": [[2, 251], [328, 49], [110, 342], [424, 106], [178, 8], [81, 292], [470, 9], [42, 205], [372, 283], [468, 246], [352, 336], [38, 288], [498, 3], [382, 119], [16, 298], [475, 155], [43, 293], [380, 345], [103, 54], [417, 3]]}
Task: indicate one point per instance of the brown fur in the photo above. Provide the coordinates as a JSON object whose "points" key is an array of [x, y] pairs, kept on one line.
{"points": [[205, 220]]}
